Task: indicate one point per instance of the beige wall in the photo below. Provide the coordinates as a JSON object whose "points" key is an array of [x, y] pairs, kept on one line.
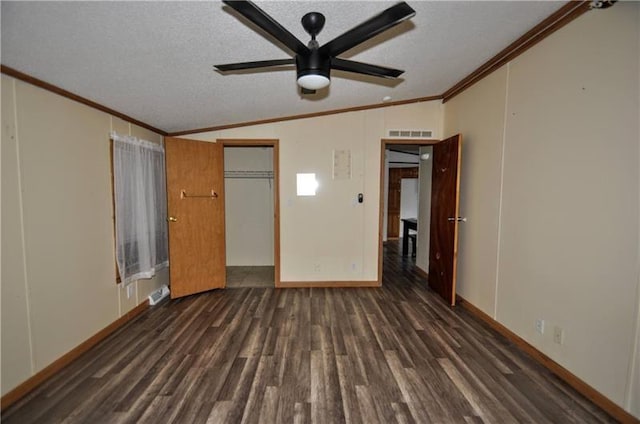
{"points": [[17, 363], [550, 187], [331, 237], [58, 272], [478, 114], [633, 390], [248, 206]]}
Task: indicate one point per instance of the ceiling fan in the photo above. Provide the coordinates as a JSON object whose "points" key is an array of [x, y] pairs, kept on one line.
{"points": [[314, 62]]}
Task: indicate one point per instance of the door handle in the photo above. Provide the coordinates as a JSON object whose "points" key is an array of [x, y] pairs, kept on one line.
{"points": [[459, 219], [184, 195], [172, 219]]}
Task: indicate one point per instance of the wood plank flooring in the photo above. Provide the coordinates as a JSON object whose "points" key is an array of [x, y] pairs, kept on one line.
{"points": [[355, 355]]}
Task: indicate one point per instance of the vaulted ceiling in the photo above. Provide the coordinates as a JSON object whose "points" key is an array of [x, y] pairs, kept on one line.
{"points": [[153, 61]]}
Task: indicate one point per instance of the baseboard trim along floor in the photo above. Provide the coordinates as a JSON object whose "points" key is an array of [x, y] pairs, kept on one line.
{"points": [[583, 388], [49, 371]]}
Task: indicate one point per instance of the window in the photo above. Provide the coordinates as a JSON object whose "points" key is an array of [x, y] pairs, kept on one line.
{"points": [[140, 206]]}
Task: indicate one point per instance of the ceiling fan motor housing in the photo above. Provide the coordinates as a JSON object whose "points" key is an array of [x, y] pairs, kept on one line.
{"points": [[315, 63]]}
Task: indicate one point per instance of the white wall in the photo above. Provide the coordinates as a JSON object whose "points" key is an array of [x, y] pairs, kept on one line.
{"points": [[385, 196], [408, 186], [424, 209], [332, 237], [248, 207], [401, 160], [550, 186], [58, 267], [408, 200]]}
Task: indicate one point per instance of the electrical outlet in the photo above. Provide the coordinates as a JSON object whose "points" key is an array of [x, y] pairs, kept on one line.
{"points": [[129, 291], [558, 335], [540, 326]]}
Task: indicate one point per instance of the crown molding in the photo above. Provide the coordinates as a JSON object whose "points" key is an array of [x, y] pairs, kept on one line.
{"points": [[69, 95], [561, 17], [304, 116]]}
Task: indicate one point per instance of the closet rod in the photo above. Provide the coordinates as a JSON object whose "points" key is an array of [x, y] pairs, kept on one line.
{"points": [[249, 174], [249, 178]]}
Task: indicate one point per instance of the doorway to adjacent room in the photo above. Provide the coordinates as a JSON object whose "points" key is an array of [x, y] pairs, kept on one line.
{"points": [[434, 227]]}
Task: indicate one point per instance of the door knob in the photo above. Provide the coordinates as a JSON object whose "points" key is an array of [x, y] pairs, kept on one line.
{"points": [[173, 219]]}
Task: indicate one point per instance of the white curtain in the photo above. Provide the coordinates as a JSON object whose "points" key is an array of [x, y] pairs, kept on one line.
{"points": [[141, 207]]}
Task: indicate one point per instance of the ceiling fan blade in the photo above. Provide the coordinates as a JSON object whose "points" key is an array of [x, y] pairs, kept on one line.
{"points": [[364, 68], [267, 23], [251, 65], [370, 28]]}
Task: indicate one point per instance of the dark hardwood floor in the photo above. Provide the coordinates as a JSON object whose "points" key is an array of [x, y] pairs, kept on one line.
{"points": [[394, 354]]}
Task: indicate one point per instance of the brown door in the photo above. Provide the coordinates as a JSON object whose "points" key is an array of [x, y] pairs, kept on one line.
{"points": [[445, 200], [393, 203], [195, 202]]}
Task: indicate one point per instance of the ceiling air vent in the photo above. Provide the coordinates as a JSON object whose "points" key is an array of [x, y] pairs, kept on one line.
{"points": [[410, 134]]}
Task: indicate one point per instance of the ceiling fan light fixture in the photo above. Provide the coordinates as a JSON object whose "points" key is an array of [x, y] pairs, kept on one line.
{"points": [[313, 81]]}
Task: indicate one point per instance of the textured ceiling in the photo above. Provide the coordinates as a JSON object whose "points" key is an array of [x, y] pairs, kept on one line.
{"points": [[153, 60]]}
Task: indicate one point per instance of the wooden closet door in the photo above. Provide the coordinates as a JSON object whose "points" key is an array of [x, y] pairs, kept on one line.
{"points": [[195, 202]]}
